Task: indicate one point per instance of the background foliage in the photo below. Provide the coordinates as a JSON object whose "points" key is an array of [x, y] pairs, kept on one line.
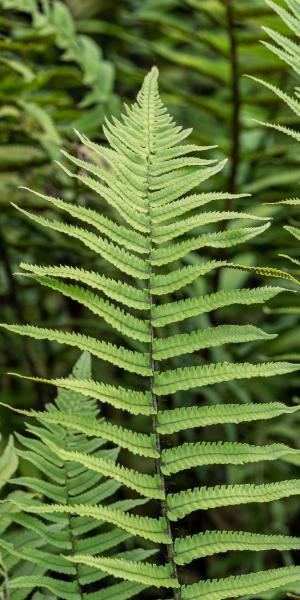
{"points": [[64, 65]]}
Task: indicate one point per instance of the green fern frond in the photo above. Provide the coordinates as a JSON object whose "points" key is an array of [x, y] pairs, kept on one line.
{"points": [[116, 290], [135, 362], [149, 574], [65, 482], [168, 382], [137, 403], [208, 543], [179, 419], [193, 307], [184, 503], [252, 583], [197, 454], [206, 338], [150, 179], [124, 322], [140, 443], [144, 527]]}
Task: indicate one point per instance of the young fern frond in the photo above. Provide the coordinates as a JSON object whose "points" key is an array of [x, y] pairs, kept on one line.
{"points": [[148, 180]]}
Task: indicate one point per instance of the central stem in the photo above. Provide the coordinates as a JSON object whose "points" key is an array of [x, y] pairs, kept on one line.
{"points": [[169, 547], [164, 510]]}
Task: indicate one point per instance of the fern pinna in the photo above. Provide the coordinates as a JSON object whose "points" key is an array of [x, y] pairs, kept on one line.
{"points": [[147, 175]]}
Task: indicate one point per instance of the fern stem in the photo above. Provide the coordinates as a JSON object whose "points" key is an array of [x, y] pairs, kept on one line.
{"points": [[235, 125], [169, 548], [235, 98]]}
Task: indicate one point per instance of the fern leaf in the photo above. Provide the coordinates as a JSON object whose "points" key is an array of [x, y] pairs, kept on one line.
{"points": [[184, 205], [139, 443], [235, 587], [126, 209], [124, 322], [61, 589], [134, 402], [146, 485], [295, 231], [153, 575], [45, 559], [145, 527], [116, 290], [206, 338], [120, 258], [208, 543], [116, 233], [197, 454], [165, 233], [287, 18], [171, 282], [186, 502], [168, 382], [179, 419], [221, 239], [173, 312], [289, 100], [184, 184], [135, 362], [120, 591], [8, 462]]}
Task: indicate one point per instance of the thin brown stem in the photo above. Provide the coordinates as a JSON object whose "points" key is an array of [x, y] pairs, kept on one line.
{"points": [[235, 99], [235, 123]]}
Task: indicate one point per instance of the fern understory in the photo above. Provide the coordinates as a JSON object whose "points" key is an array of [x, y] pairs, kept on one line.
{"points": [[287, 50], [149, 176]]}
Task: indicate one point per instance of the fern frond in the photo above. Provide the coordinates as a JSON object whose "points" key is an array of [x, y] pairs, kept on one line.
{"points": [[197, 454], [60, 589], [208, 543], [175, 280], [137, 403], [71, 485], [116, 290], [116, 233], [120, 258], [146, 485], [164, 233], [173, 312], [140, 443], [186, 502], [222, 239], [124, 322], [135, 362], [186, 343], [187, 204], [252, 583], [179, 419], [168, 382], [145, 527], [150, 178], [149, 574], [295, 231]]}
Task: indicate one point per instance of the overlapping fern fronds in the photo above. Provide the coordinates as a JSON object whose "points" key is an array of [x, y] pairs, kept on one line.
{"points": [[286, 48], [47, 545], [147, 176]]}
